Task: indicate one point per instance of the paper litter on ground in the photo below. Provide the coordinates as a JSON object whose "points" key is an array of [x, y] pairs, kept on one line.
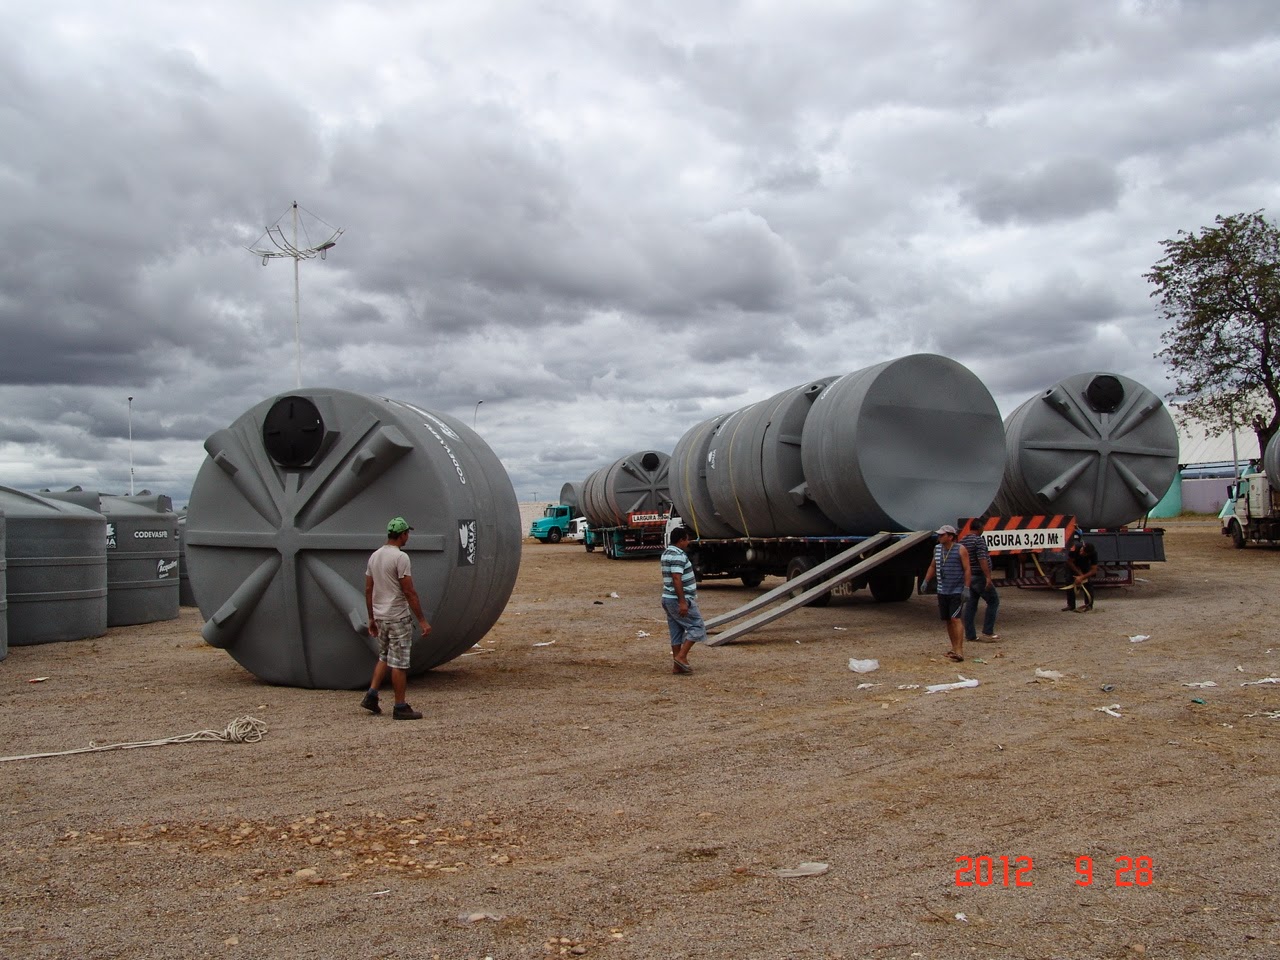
{"points": [[1050, 674], [867, 686], [1201, 683], [545, 643], [1138, 638], [943, 687], [863, 666], [908, 686], [809, 868], [642, 633], [1254, 683], [1111, 711]]}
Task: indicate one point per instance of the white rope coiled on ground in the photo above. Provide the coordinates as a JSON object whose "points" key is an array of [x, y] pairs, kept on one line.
{"points": [[239, 730]]}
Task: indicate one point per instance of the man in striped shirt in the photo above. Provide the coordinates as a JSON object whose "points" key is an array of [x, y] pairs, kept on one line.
{"points": [[982, 587], [950, 565], [680, 601]]}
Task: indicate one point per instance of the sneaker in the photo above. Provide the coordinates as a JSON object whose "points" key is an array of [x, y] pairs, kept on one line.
{"points": [[403, 711], [370, 702]]}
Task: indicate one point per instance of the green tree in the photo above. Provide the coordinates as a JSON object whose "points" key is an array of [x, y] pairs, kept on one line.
{"points": [[1221, 289]]}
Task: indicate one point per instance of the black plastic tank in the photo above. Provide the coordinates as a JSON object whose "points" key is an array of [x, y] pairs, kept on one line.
{"points": [[56, 576], [688, 478], [639, 483], [296, 494], [755, 472], [1098, 446], [907, 444]]}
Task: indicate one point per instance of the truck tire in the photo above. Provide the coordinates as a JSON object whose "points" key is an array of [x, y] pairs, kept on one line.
{"points": [[799, 565], [1237, 535], [753, 579], [591, 547], [891, 588], [553, 535]]}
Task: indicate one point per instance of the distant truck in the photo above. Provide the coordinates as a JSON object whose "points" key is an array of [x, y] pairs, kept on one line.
{"points": [[643, 535], [558, 523], [1252, 511]]}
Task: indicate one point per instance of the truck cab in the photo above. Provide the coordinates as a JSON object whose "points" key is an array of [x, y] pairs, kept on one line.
{"points": [[1252, 511], [554, 524]]}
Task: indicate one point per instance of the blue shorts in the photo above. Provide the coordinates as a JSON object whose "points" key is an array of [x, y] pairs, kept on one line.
{"points": [[950, 605], [688, 628], [395, 642]]}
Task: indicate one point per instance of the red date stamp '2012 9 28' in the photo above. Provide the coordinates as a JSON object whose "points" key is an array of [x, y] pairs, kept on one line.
{"points": [[984, 871]]}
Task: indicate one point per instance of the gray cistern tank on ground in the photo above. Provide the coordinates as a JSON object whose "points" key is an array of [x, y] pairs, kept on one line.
{"points": [[908, 444], [4, 596], [142, 554], [688, 475], [56, 569], [754, 469], [638, 483], [294, 497], [1098, 446], [186, 596]]}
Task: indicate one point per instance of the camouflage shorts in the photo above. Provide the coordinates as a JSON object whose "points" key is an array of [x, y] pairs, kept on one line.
{"points": [[395, 641]]}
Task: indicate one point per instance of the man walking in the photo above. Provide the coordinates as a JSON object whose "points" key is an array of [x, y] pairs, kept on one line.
{"points": [[951, 565], [982, 587], [1082, 564], [680, 601], [392, 604]]}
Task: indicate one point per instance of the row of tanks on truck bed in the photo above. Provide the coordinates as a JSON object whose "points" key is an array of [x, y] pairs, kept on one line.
{"points": [[779, 486]]}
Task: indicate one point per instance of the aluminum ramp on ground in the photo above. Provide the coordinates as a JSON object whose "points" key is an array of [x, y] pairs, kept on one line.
{"points": [[795, 603]]}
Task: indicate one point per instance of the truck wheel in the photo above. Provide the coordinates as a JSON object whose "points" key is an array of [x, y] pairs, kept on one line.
{"points": [[591, 548], [553, 535], [752, 579], [799, 565], [889, 588], [1237, 535]]}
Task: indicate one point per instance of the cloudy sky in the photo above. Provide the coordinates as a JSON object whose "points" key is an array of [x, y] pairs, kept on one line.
{"points": [[606, 220]]}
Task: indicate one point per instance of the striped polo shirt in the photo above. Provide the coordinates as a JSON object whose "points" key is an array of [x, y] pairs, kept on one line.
{"points": [[948, 569], [676, 563]]}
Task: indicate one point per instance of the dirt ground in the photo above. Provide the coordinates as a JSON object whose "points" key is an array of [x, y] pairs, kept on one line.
{"points": [[568, 796]]}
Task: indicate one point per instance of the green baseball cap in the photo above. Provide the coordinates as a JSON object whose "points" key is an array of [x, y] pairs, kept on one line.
{"points": [[397, 526]]}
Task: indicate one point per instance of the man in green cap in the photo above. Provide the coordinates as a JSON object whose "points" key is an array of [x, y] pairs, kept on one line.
{"points": [[392, 604]]}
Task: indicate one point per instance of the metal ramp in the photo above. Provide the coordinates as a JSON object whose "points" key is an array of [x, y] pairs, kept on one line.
{"points": [[815, 584]]}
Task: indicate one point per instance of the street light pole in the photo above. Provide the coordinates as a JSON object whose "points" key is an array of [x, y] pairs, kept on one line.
{"points": [[131, 446], [475, 413]]}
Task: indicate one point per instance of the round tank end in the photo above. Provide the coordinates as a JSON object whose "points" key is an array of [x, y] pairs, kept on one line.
{"points": [[293, 431]]}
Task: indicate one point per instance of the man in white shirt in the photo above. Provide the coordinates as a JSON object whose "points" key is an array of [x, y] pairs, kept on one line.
{"points": [[392, 605]]}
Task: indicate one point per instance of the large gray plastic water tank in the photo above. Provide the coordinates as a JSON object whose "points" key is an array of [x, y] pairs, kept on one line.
{"points": [[1099, 446], [688, 474], [186, 596], [142, 554], [571, 497], [294, 497], [4, 596], [907, 444], [638, 483], [755, 472], [56, 555], [1271, 461]]}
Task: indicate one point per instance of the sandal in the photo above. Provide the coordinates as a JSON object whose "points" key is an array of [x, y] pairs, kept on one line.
{"points": [[953, 656], [678, 667]]}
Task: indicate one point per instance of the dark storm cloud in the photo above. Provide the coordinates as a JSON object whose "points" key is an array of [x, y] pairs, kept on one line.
{"points": [[1058, 190]]}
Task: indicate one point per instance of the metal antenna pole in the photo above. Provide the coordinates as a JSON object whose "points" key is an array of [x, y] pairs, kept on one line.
{"points": [[297, 310], [284, 247], [475, 413], [131, 446]]}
